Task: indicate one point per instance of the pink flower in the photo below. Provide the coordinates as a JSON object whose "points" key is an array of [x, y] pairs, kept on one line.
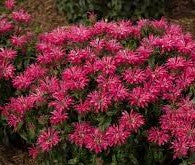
{"points": [[48, 139], [119, 30], [116, 135], [113, 46], [49, 85], [80, 55], [19, 41], [79, 33], [95, 141], [21, 16], [57, 37], [98, 44], [51, 55], [33, 152], [82, 108], [129, 57], [58, 116], [62, 101], [135, 76], [131, 121], [10, 4], [176, 63], [13, 121], [7, 71], [140, 97], [6, 53], [81, 130], [75, 78], [106, 65], [157, 136], [98, 101], [180, 148], [113, 87], [5, 26], [31, 74]]}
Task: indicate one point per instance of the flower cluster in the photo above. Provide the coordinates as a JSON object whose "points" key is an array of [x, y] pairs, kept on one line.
{"points": [[6, 62], [96, 140], [81, 72], [176, 127], [13, 31]]}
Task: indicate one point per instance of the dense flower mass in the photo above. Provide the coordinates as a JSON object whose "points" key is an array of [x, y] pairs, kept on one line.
{"points": [[95, 86], [177, 126]]}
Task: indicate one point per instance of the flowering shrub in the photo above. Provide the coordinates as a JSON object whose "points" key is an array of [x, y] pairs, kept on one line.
{"points": [[111, 92]]}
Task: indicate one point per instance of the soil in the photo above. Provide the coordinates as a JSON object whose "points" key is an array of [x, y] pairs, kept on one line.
{"points": [[182, 12], [44, 14], [13, 156]]}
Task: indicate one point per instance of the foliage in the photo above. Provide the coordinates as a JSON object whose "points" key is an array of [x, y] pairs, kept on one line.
{"points": [[79, 10]]}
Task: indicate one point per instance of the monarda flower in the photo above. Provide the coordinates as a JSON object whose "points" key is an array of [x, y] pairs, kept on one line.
{"points": [[58, 116], [80, 55], [140, 97], [99, 101], [21, 16], [106, 65], [75, 78], [7, 53], [62, 101], [51, 55], [48, 139], [10, 4], [113, 87], [95, 141], [19, 41], [33, 152], [116, 135], [31, 74], [79, 34], [131, 121], [135, 76], [176, 63], [5, 26], [112, 46], [7, 71], [157, 136], [81, 130], [98, 44]]}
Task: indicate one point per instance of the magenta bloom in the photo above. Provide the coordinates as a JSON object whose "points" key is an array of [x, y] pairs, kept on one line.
{"points": [[116, 135], [98, 101], [33, 152], [48, 139], [10, 4], [5, 26], [19, 41], [157, 136], [95, 141], [135, 76], [21, 16], [80, 132], [32, 73], [75, 78], [131, 121]]}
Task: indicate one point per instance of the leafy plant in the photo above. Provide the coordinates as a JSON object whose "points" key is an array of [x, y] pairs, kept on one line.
{"points": [[79, 10]]}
